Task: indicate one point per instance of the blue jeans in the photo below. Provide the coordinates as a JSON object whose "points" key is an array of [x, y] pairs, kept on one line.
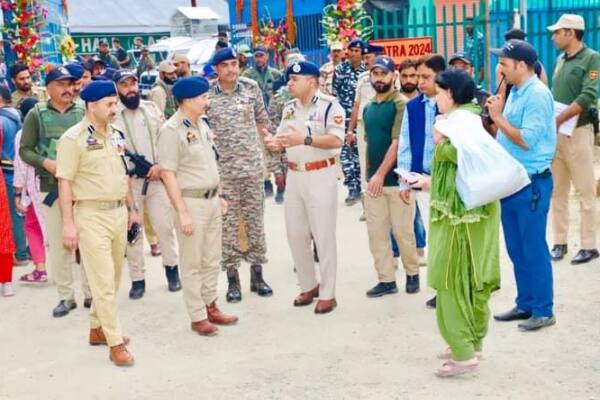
{"points": [[420, 235], [524, 220], [17, 222]]}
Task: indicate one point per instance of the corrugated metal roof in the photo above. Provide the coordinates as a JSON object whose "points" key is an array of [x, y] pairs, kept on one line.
{"points": [[133, 16]]}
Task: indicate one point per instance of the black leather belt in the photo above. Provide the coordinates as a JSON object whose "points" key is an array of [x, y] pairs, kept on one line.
{"points": [[547, 173]]}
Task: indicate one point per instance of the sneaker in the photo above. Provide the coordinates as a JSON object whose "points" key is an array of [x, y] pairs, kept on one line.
{"points": [[7, 290]]}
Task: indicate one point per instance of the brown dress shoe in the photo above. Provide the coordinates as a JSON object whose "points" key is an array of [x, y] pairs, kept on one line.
{"points": [[121, 356], [325, 306], [204, 328], [215, 315], [306, 298], [97, 337]]}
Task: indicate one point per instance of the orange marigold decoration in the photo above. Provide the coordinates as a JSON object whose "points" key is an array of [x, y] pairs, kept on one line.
{"points": [[254, 18], [291, 34]]}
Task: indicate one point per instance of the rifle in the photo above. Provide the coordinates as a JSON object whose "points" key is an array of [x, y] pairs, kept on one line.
{"points": [[141, 168]]}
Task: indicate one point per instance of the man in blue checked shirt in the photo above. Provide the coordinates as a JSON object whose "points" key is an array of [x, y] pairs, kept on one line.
{"points": [[415, 150], [527, 130]]}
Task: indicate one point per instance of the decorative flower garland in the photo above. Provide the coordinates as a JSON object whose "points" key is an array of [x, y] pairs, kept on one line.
{"points": [[346, 20], [67, 48], [274, 38], [22, 31]]}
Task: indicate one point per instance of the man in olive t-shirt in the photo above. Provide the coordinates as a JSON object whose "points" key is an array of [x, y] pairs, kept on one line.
{"points": [[384, 208], [574, 84]]}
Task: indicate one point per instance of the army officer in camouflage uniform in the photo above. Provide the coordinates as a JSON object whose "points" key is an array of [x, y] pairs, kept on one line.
{"points": [[236, 115]]}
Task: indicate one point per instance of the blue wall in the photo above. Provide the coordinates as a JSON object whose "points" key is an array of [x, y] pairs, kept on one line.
{"points": [[277, 9]]}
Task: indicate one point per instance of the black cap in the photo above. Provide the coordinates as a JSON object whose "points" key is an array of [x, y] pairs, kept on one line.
{"points": [[385, 63], [514, 33], [374, 49], [518, 50], [460, 57]]}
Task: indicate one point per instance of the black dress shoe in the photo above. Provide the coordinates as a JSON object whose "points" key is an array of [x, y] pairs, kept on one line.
{"points": [[382, 288], [584, 256], [87, 302], [512, 315], [353, 197], [63, 308], [172, 274], [431, 303], [234, 289], [412, 284], [558, 252], [257, 282], [535, 323], [138, 288]]}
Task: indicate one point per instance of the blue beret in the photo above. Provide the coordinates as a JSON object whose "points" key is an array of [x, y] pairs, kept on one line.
{"points": [[303, 68], [358, 44], [374, 49], [222, 55], [208, 71], [59, 73], [97, 90], [75, 69], [187, 88]]}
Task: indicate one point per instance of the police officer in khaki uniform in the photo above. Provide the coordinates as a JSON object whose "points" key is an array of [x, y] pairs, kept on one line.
{"points": [[94, 191], [140, 121], [42, 128], [187, 160], [312, 133]]}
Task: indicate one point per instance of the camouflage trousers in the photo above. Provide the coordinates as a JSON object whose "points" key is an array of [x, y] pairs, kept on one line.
{"points": [[246, 202], [276, 164], [351, 166]]}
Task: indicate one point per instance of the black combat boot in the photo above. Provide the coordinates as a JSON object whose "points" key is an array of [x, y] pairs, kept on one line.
{"points": [[172, 274], [257, 283], [234, 290]]}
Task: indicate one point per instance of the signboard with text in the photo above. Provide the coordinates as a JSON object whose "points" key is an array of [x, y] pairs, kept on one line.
{"points": [[401, 49], [87, 43]]}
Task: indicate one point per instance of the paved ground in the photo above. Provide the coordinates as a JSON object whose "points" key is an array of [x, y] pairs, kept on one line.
{"points": [[367, 349]]}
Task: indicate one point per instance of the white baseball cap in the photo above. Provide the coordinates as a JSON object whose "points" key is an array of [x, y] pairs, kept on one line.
{"points": [[568, 21]]}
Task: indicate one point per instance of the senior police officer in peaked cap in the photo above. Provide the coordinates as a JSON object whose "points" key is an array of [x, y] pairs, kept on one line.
{"points": [[188, 162], [312, 132], [236, 114], [95, 197]]}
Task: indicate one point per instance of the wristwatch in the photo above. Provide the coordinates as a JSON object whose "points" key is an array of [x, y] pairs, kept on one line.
{"points": [[308, 141]]}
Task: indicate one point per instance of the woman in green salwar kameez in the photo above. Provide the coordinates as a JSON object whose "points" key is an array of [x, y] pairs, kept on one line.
{"points": [[463, 262]]}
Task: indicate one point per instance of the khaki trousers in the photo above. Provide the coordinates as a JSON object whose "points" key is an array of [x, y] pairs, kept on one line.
{"points": [[200, 255], [61, 260], [158, 207], [386, 212], [149, 230], [311, 213], [102, 242], [574, 162]]}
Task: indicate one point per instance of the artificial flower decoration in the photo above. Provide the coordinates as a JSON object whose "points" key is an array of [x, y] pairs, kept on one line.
{"points": [[346, 20], [28, 17]]}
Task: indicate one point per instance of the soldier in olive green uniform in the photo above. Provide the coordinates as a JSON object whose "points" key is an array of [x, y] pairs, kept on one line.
{"points": [[161, 90], [262, 74], [575, 84], [236, 115], [94, 191], [42, 128], [187, 159], [140, 122]]}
